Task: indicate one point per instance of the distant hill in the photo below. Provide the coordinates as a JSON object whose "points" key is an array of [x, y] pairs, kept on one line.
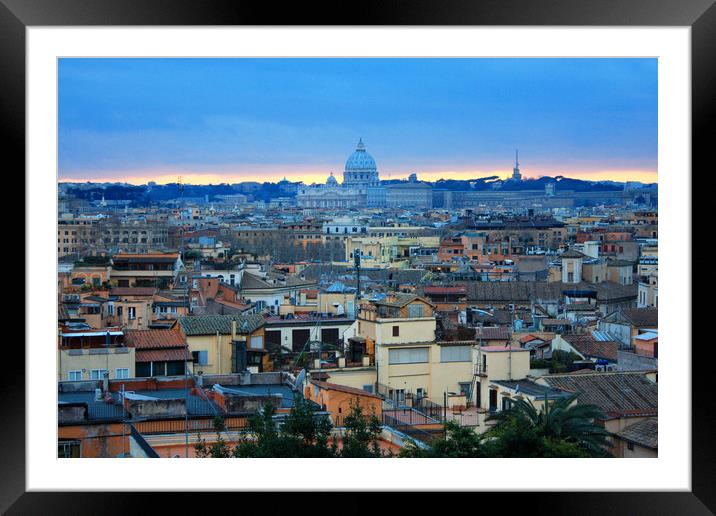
{"points": [[143, 194]]}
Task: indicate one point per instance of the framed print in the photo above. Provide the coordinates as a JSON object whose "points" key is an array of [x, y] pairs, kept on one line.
{"points": [[289, 245]]}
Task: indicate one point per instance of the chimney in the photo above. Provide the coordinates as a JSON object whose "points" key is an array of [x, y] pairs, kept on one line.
{"points": [[233, 330]]}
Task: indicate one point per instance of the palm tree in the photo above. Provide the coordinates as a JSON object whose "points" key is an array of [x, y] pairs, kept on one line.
{"points": [[562, 420]]}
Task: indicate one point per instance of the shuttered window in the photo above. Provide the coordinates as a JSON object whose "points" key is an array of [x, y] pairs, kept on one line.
{"points": [[408, 356], [455, 354]]}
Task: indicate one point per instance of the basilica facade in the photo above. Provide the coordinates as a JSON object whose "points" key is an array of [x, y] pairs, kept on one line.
{"points": [[359, 176]]}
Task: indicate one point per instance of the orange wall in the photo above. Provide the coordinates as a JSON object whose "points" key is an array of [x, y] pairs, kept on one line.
{"points": [[104, 441], [338, 403], [644, 348]]}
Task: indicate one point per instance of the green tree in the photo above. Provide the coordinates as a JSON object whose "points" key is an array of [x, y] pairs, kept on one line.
{"points": [[308, 431], [557, 421], [459, 441], [362, 434], [562, 360], [514, 437], [302, 434], [220, 448]]}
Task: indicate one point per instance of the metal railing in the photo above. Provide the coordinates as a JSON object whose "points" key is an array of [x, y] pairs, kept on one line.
{"points": [[176, 426], [430, 409], [410, 430]]}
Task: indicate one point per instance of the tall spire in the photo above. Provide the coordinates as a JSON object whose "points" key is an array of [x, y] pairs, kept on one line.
{"points": [[516, 176]]}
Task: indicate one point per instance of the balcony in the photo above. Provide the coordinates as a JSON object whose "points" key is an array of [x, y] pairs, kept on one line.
{"points": [[97, 351]]}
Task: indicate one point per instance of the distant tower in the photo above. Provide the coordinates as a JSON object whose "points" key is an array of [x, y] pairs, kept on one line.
{"points": [[516, 176]]}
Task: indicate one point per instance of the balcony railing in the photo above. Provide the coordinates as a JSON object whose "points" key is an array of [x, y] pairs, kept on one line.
{"points": [[480, 370], [97, 351]]}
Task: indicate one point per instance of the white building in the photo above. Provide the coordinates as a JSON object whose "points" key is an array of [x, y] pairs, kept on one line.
{"points": [[360, 173]]}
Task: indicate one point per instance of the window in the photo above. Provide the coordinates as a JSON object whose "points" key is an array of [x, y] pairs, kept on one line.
{"points": [[408, 356], [74, 376], [396, 331], [455, 354], [131, 312], [257, 342], [97, 374], [506, 403], [68, 449], [121, 373], [368, 388], [415, 310], [465, 389], [630, 446], [174, 368], [200, 357], [143, 370]]}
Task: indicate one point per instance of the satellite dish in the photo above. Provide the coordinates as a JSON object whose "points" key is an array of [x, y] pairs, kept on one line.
{"points": [[300, 379]]}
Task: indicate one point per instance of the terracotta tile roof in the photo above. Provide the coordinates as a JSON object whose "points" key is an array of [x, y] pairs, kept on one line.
{"points": [[492, 333], [210, 324], [162, 355], [132, 291], [588, 346], [444, 290], [620, 394], [343, 388], [644, 433], [529, 338], [642, 317], [154, 339]]}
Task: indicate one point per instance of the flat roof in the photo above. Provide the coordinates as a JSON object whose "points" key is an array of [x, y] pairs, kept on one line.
{"points": [[284, 391], [501, 348]]}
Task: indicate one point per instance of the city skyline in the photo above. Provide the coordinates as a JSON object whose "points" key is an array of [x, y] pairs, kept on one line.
{"points": [[236, 120]]}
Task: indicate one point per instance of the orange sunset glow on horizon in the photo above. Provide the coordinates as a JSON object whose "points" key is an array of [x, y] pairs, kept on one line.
{"points": [[308, 177]]}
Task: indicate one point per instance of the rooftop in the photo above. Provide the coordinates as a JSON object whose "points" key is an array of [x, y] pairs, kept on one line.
{"points": [[644, 433], [531, 388], [498, 349], [211, 324], [618, 394], [343, 388]]}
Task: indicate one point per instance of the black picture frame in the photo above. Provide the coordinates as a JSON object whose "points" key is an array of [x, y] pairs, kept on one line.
{"points": [[700, 15]]}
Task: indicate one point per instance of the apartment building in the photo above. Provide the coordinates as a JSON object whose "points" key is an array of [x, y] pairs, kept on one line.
{"points": [[94, 355], [223, 344], [158, 270]]}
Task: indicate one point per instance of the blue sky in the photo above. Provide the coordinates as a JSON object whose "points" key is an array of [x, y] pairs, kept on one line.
{"points": [[227, 120]]}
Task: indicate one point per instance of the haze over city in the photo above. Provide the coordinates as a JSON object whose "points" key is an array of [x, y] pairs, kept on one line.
{"points": [[234, 120]]}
